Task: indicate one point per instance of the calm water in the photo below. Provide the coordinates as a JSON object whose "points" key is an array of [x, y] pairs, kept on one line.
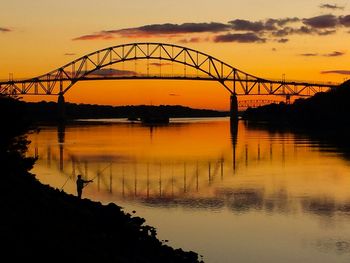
{"points": [[231, 195]]}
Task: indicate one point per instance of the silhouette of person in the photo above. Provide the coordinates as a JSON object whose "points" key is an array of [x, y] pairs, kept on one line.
{"points": [[81, 183]]}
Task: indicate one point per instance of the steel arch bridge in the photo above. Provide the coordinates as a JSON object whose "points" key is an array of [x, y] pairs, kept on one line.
{"points": [[235, 81]]}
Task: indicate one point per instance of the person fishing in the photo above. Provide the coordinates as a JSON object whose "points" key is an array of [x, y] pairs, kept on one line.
{"points": [[81, 183]]}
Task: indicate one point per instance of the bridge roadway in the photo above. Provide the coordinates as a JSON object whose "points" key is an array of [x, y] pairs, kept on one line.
{"points": [[96, 66]]}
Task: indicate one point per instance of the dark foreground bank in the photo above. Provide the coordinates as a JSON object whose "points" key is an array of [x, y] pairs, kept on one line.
{"points": [[39, 223], [43, 223]]}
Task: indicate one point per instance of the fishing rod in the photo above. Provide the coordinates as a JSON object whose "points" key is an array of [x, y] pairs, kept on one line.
{"points": [[69, 176], [65, 182], [98, 173]]}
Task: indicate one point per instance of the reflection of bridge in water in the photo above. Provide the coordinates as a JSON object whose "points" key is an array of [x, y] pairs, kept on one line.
{"points": [[147, 179], [200, 183]]}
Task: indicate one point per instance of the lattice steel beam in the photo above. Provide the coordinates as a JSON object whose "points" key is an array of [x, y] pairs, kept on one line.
{"points": [[235, 81]]}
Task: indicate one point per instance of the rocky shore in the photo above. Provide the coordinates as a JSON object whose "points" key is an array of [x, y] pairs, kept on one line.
{"points": [[43, 223]]}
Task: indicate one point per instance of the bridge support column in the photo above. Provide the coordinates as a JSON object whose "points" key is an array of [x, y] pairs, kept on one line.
{"points": [[61, 114], [233, 107]]}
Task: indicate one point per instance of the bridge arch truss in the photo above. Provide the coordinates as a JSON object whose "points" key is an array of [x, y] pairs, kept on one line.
{"points": [[235, 81]]}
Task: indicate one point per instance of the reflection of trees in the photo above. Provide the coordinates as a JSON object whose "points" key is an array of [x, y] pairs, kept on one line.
{"points": [[339, 246], [328, 138], [245, 200], [325, 206], [193, 203], [242, 199]]}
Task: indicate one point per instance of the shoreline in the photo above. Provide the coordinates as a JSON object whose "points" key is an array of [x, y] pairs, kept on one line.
{"points": [[45, 221]]}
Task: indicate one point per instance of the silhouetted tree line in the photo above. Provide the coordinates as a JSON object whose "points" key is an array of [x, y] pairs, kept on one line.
{"points": [[45, 111], [40, 223], [13, 142], [326, 109]]}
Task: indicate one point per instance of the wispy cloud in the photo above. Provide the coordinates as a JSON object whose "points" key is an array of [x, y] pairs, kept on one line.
{"points": [[237, 30], [332, 6], [240, 38], [112, 73], [309, 54], [157, 64], [341, 72], [69, 54], [335, 54], [331, 54], [323, 21], [245, 25], [193, 40], [170, 29], [5, 30], [259, 26], [97, 36], [326, 32], [345, 20]]}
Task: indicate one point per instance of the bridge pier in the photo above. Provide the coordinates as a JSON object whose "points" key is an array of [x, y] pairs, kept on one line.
{"points": [[61, 113], [233, 107]]}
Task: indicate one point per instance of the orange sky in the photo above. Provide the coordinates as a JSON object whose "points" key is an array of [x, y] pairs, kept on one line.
{"points": [[265, 38]]}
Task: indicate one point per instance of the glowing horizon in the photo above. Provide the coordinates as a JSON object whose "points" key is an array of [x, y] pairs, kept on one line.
{"points": [[299, 41]]}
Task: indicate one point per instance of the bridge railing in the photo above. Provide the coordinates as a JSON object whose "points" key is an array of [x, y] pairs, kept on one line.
{"points": [[175, 76], [324, 83]]}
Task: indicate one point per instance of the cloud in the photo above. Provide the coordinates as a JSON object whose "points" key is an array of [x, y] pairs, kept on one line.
{"points": [[171, 29], [157, 64], [69, 54], [302, 30], [5, 30], [282, 21], [326, 32], [112, 73], [245, 25], [345, 20], [237, 30], [282, 32], [334, 54], [342, 72], [283, 40], [323, 21], [331, 6], [309, 55], [193, 40], [240, 38], [259, 26], [97, 36]]}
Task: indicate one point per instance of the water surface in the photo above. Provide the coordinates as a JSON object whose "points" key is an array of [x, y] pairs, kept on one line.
{"points": [[232, 193]]}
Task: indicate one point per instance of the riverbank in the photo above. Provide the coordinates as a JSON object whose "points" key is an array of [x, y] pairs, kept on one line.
{"points": [[325, 110], [41, 223], [47, 111]]}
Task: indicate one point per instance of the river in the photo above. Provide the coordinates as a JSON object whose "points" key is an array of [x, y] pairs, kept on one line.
{"points": [[231, 193]]}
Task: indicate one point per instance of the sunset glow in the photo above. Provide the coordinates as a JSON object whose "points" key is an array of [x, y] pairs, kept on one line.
{"points": [[298, 40]]}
